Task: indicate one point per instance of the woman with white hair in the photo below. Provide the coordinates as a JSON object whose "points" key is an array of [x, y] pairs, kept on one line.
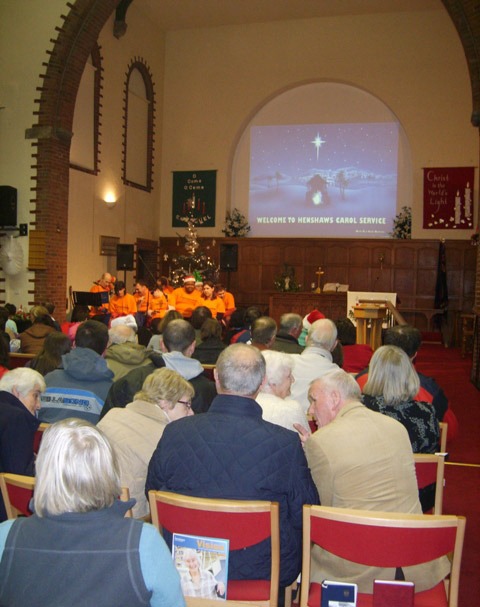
{"points": [[78, 549], [273, 396], [198, 582], [134, 431], [391, 388], [20, 391]]}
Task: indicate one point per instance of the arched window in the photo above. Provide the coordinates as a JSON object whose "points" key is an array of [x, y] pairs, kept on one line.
{"points": [[138, 127], [84, 149]]}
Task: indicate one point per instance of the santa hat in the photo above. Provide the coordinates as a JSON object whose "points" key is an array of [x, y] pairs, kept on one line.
{"points": [[189, 278], [310, 318]]}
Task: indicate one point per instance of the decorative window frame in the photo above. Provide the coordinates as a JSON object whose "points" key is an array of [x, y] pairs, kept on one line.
{"points": [[97, 113], [140, 65]]}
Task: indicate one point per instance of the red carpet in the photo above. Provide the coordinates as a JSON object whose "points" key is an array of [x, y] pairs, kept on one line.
{"points": [[462, 482]]}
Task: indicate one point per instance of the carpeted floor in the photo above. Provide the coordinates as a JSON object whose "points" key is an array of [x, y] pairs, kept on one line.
{"points": [[462, 474]]}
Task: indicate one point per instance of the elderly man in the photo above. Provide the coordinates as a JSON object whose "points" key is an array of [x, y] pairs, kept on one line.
{"points": [[103, 285], [361, 459], [230, 452], [124, 353], [288, 333], [178, 345], [185, 299], [315, 360], [263, 331]]}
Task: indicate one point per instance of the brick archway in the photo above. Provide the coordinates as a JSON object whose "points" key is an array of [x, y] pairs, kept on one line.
{"points": [[52, 134]]}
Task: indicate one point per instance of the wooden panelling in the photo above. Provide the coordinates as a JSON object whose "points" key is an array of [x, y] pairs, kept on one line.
{"points": [[407, 267]]}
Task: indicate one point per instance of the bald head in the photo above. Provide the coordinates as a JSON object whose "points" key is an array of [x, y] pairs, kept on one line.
{"points": [[240, 370]]}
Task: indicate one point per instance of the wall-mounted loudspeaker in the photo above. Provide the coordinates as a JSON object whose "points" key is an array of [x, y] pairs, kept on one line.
{"points": [[125, 257], [8, 206], [229, 257]]}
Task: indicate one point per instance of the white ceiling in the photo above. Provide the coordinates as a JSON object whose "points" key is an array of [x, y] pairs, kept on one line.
{"points": [[187, 14]]}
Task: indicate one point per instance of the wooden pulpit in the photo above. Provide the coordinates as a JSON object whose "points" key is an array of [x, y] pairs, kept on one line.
{"points": [[373, 314]]}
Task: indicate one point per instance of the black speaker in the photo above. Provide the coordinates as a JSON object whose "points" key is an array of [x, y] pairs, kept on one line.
{"points": [[229, 257], [8, 206], [125, 256]]}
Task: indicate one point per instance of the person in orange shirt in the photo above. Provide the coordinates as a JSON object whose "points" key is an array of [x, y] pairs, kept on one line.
{"points": [[228, 300], [158, 305], [164, 285], [122, 303], [185, 299], [103, 285], [142, 297], [210, 300]]}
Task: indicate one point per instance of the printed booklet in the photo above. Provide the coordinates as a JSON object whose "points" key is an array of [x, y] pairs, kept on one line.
{"points": [[202, 563]]}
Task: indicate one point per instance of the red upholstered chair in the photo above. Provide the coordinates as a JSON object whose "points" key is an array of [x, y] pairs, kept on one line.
{"points": [[243, 523], [430, 468], [17, 491], [383, 539], [37, 439]]}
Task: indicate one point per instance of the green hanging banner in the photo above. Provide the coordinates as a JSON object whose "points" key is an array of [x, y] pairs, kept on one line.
{"points": [[194, 195]]}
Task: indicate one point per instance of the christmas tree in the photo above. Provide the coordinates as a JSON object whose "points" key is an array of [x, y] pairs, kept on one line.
{"points": [[194, 260]]}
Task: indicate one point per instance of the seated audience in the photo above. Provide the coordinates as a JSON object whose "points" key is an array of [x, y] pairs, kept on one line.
{"points": [[263, 332], [361, 459], [236, 323], [211, 344], [11, 325], [79, 389], [178, 346], [210, 300], [32, 339], [20, 391], [199, 316], [274, 394], [134, 432], [315, 360], [79, 548], [409, 339], [307, 322], [50, 358], [233, 453], [355, 356], [288, 333], [391, 388], [4, 358], [50, 307], [124, 353], [158, 327], [244, 336], [79, 315]]}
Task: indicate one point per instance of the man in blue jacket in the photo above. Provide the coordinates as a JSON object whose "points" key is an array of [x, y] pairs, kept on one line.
{"points": [[230, 452]]}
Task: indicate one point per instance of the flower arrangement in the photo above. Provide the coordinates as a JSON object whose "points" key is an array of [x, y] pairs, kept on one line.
{"points": [[236, 224], [286, 281], [402, 224]]}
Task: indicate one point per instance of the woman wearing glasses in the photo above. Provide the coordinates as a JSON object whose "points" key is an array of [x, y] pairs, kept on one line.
{"points": [[134, 432]]}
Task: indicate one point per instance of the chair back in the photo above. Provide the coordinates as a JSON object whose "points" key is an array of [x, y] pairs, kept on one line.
{"points": [[124, 497], [243, 523], [17, 491], [37, 439], [430, 468], [443, 436], [383, 539]]}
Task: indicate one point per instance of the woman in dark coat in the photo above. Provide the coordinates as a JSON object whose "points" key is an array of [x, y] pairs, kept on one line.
{"points": [[20, 391]]}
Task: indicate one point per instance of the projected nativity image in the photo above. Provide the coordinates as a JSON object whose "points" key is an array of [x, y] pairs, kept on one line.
{"points": [[330, 178]]}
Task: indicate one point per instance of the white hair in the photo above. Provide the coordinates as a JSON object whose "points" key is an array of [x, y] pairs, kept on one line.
{"points": [[323, 334], [278, 365], [120, 334], [341, 381], [23, 380], [76, 469]]}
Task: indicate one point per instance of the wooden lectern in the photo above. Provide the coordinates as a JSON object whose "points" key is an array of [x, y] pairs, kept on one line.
{"points": [[375, 314]]}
